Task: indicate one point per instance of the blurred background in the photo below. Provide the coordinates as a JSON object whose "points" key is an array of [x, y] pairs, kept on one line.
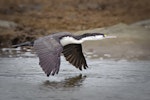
{"points": [[119, 68], [24, 20]]}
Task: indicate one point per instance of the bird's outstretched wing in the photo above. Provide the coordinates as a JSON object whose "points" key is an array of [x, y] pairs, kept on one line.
{"points": [[73, 54], [49, 51]]}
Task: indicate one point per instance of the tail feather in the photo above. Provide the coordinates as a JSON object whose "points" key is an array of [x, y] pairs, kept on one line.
{"points": [[23, 44]]}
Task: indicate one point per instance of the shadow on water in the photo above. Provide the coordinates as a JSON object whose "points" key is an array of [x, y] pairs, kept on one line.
{"points": [[71, 82]]}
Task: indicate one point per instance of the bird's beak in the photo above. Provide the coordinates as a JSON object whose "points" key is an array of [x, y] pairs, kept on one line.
{"points": [[110, 37], [105, 35]]}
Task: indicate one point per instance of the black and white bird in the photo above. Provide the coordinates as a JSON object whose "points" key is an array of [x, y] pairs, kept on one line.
{"points": [[49, 49]]}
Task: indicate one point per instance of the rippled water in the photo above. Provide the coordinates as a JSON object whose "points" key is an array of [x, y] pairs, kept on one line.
{"points": [[21, 78]]}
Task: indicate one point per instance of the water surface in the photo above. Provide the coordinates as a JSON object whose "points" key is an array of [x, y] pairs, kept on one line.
{"points": [[21, 78]]}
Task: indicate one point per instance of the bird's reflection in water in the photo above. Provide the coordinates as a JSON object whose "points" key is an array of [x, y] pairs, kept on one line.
{"points": [[67, 83]]}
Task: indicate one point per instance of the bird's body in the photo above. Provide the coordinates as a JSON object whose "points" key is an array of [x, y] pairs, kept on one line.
{"points": [[49, 49]]}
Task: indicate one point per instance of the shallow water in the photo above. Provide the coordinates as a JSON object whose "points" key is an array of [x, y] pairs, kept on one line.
{"points": [[21, 78]]}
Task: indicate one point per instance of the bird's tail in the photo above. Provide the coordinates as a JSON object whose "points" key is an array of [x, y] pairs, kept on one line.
{"points": [[23, 44]]}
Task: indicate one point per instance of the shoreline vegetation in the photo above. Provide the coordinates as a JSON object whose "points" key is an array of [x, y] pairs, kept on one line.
{"points": [[27, 20]]}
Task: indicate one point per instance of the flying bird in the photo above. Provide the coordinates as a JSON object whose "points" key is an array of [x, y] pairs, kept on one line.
{"points": [[49, 49]]}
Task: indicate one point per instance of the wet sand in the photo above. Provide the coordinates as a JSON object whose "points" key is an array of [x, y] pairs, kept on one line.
{"points": [[21, 78]]}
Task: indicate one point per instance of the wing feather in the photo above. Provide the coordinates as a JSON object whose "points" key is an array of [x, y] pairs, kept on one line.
{"points": [[73, 54], [48, 51]]}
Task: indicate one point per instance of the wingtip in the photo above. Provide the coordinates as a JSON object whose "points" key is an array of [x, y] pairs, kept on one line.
{"points": [[53, 74], [80, 68], [48, 75]]}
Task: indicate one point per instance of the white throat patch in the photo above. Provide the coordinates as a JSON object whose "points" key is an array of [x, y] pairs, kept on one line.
{"points": [[69, 40]]}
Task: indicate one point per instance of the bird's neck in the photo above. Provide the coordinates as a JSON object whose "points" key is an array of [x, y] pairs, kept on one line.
{"points": [[71, 40]]}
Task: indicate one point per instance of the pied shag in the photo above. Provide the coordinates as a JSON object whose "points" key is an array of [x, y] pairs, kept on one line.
{"points": [[49, 49]]}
